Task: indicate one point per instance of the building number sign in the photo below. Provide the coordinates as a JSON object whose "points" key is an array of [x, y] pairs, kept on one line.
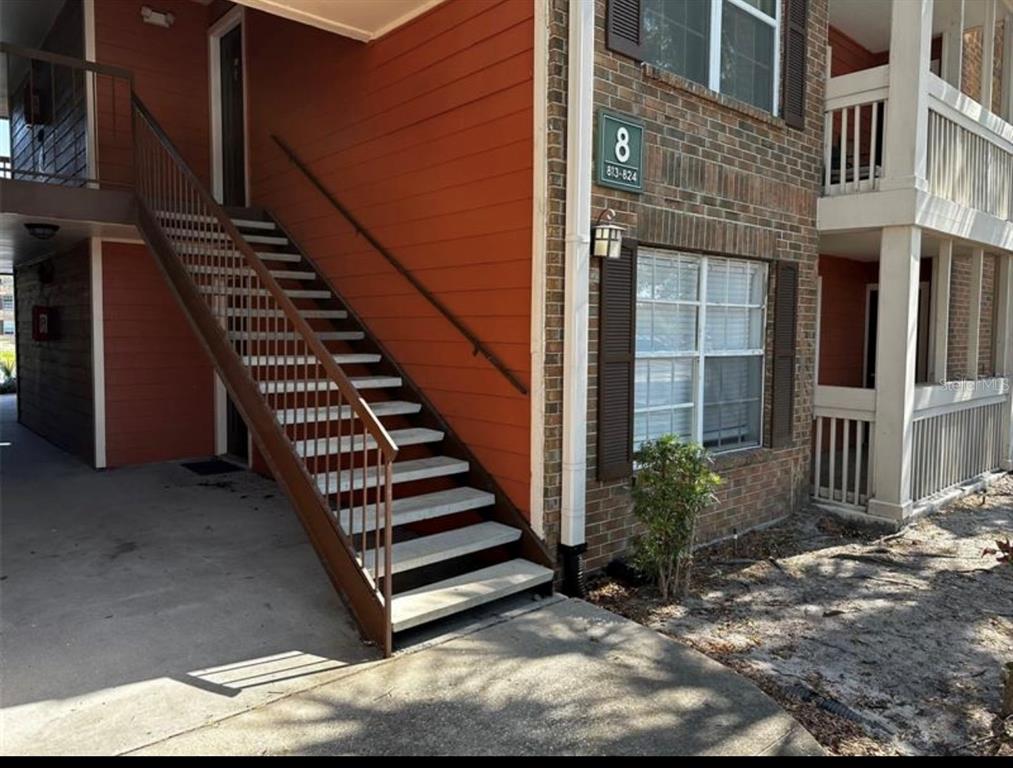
{"points": [[620, 152]]}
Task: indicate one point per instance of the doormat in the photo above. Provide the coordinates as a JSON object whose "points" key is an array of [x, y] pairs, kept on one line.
{"points": [[211, 467]]}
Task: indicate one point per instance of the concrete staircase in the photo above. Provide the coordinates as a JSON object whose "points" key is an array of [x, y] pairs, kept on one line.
{"points": [[458, 543]]}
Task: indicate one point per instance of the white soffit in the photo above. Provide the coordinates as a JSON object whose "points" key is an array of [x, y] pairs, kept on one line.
{"points": [[358, 19]]}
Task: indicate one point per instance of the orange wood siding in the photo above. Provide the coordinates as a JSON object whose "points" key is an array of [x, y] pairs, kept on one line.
{"points": [[159, 383], [170, 69], [426, 135], [842, 319]]}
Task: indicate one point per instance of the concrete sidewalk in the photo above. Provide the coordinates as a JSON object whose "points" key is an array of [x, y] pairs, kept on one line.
{"points": [[564, 679]]}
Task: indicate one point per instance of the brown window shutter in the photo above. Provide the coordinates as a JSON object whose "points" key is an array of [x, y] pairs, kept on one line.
{"points": [[782, 411], [624, 31], [616, 357], [793, 83]]}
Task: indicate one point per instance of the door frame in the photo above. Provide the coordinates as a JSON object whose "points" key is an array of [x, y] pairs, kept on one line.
{"points": [[924, 286], [216, 31]]}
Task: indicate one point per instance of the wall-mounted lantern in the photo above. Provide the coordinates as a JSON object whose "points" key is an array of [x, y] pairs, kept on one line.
{"points": [[606, 237]]}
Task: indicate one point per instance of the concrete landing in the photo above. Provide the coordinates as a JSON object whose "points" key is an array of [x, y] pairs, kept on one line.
{"points": [[564, 679]]}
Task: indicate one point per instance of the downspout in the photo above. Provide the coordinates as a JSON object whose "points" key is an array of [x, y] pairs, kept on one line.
{"points": [[579, 125]]}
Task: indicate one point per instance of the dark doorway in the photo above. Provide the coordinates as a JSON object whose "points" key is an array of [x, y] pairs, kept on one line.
{"points": [[233, 154], [921, 343], [233, 147]]}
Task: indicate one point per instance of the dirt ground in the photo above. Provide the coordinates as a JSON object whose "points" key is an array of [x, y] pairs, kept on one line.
{"points": [[877, 644]]}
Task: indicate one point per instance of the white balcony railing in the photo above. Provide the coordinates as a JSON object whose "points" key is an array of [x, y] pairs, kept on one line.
{"points": [[970, 152], [854, 119], [842, 445], [960, 433]]}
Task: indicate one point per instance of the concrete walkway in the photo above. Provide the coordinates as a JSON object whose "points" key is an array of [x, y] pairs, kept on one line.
{"points": [[150, 609], [564, 679]]}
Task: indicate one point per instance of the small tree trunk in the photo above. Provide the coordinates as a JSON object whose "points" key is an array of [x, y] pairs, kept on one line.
{"points": [[1007, 691]]}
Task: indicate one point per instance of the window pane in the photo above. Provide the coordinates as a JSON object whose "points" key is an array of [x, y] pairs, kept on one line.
{"points": [[677, 36], [747, 57], [732, 390], [767, 6], [674, 328]]}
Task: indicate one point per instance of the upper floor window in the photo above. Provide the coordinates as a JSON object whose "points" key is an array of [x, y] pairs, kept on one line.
{"points": [[730, 46]]}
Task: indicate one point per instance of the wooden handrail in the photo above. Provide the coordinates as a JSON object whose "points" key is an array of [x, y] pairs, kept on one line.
{"points": [[478, 347], [207, 262], [66, 61], [310, 338]]}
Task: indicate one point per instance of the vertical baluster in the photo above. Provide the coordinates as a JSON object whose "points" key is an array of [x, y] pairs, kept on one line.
{"points": [[872, 149], [828, 133], [856, 149], [388, 535], [819, 457], [843, 177], [833, 456], [846, 457], [859, 439], [365, 484]]}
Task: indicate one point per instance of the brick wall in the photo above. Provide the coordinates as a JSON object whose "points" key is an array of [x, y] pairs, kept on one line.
{"points": [[719, 176], [971, 64], [55, 377], [960, 317]]}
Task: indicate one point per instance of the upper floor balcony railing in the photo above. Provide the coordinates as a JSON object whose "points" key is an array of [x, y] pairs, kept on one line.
{"points": [[969, 151], [61, 114]]}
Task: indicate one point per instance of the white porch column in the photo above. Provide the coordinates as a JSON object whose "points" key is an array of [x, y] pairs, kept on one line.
{"points": [[1004, 341], [897, 329], [988, 53], [974, 313], [906, 137], [953, 40], [939, 332]]}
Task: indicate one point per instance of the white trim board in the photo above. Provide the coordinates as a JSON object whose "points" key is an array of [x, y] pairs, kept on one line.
{"points": [[98, 352], [539, 224], [220, 28]]}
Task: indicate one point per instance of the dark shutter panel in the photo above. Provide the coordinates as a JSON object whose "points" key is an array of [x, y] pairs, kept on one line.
{"points": [[782, 411], [624, 32], [793, 83], [616, 352]]}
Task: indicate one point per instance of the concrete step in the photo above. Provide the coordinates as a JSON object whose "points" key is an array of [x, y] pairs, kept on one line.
{"points": [[403, 472], [193, 218], [310, 314], [322, 335], [349, 359], [380, 409], [469, 590], [242, 272], [320, 385], [292, 293], [428, 550], [401, 437], [414, 509], [220, 237]]}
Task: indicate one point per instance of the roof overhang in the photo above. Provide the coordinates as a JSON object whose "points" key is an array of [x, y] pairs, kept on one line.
{"points": [[363, 20]]}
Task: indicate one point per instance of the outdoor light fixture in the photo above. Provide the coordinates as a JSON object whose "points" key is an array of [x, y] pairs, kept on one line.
{"points": [[157, 18], [607, 239], [42, 231]]}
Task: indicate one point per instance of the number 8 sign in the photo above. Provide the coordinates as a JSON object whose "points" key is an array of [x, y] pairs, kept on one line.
{"points": [[620, 152]]}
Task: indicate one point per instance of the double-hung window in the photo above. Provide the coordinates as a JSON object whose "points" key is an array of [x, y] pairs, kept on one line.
{"points": [[730, 46], [699, 349]]}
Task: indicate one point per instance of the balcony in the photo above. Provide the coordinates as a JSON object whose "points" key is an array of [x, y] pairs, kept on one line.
{"points": [[67, 130], [910, 141], [960, 435]]}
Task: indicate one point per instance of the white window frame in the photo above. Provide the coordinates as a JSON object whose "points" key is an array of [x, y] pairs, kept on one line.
{"points": [[700, 354], [714, 64]]}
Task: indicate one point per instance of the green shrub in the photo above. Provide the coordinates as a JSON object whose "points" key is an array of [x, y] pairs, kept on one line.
{"points": [[674, 484], [8, 372]]}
